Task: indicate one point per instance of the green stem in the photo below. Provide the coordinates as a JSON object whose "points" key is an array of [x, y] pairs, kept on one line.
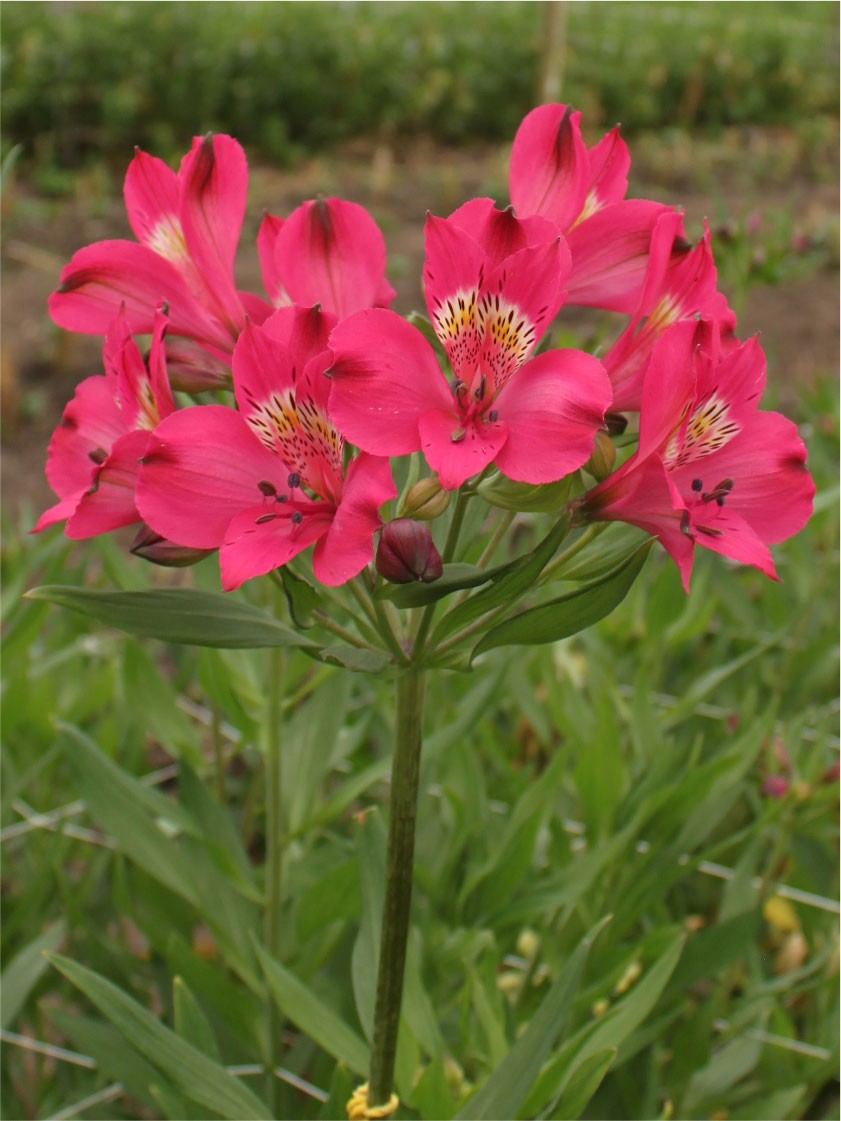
{"points": [[272, 930], [455, 528], [405, 776], [218, 753], [341, 632], [562, 558]]}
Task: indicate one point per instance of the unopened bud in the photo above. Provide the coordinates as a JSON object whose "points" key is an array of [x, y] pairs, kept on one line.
{"points": [[603, 457], [425, 500], [775, 786], [152, 547], [528, 943], [407, 553]]}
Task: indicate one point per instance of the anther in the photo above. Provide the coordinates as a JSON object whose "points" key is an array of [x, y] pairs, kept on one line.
{"points": [[457, 435], [294, 480], [264, 518], [98, 456], [479, 391], [493, 416], [697, 485], [267, 488], [297, 518], [685, 525]]}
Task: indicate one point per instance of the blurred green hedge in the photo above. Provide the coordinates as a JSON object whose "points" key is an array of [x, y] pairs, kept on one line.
{"points": [[91, 80]]}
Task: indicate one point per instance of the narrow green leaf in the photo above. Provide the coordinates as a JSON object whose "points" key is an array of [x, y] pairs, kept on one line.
{"points": [[313, 1016], [190, 1021], [455, 578], [583, 1083], [186, 1069], [301, 597], [180, 615], [23, 972], [508, 583], [570, 613], [506, 1089]]}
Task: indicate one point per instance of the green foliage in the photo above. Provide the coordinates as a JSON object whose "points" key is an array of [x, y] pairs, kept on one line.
{"points": [[95, 80]]}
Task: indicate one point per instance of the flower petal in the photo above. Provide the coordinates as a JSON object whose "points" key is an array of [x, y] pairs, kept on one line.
{"points": [[553, 407], [549, 172], [253, 546], [499, 232], [384, 378], [609, 164], [109, 504], [458, 450], [348, 544], [202, 467], [151, 195], [454, 271], [91, 423]]}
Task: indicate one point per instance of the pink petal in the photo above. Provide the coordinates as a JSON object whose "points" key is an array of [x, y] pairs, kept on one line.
{"points": [[58, 513], [267, 237], [214, 184], [610, 163], [553, 407], [499, 232], [549, 172], [91, 423], [610, 255], [729, 535], [109, 274], [384, 378], [457, 449], [109, 504], [348, 545], [329, 252], [669, 387], [202, 467], [253, 546], [152, 203], [454, 270]]}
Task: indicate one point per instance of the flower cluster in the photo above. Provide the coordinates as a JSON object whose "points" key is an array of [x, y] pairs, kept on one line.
{"points": [[318, 385]]}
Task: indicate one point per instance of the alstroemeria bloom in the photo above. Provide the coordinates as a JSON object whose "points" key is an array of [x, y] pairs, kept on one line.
{"points": [[92, 460], [188, 228], [710, 469], [680, 284], [328, 252], [493, 284], [582, 192], [263, 483]]}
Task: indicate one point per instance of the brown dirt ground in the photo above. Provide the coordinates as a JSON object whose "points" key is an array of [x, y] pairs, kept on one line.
{"points": [[41, 365]]}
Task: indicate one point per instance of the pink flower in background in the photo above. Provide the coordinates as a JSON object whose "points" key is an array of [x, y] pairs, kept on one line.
{"points": [[680, 284], [92, 460], [263, 483], [493, 284], [328, 252], [582, 192], [710, 469], [187, 227]]}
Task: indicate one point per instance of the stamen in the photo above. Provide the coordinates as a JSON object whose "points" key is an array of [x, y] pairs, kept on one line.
{"points": [[98, 455], [267, 488], [294, 480], [264, 518], [493, 416], [457, 435], [479, 391], [697, 485], [297, 518]]}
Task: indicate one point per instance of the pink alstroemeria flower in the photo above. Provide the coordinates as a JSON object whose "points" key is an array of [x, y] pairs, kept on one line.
{"points": [[92, 462], [263, 483], [188, 228], [710, 469], [582, 192], [328, 252], [680, 284], [493, 284]]}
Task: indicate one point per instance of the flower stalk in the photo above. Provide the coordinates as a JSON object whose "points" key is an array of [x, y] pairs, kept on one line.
{"points": [[273, 930], [405, 775]]}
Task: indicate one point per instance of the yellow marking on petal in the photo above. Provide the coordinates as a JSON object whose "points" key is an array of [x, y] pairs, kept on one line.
{"points": [[591, 206], [708, 430], [167, 239], [298, 432], [507, 337], [667, 312]]}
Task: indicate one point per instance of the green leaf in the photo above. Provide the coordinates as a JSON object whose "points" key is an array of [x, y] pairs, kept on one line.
{"points": [[548, 498], [186, 1069], [583, 1083], [301, 596], [315, 1019], [455, 578], [506, 1089], [180, 615], [571, 613], [190, 1021], [508, 583], [360, 661], [23, 972]]}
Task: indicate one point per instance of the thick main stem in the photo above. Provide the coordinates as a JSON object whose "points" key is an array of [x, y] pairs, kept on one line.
{"points": [[405, 775]]}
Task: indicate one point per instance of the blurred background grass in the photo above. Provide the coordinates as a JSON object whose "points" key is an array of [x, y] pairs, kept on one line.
{"points": [[87, 81]]}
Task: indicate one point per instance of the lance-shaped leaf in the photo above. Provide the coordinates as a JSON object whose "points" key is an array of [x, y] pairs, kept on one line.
{"points": [[184, 1067], [456, 578], [180, 615], [570, 613]]}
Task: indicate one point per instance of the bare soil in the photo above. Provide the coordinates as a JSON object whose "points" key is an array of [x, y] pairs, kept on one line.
{"points": [[798, 319]]}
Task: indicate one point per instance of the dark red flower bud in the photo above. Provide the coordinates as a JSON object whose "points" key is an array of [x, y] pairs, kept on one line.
{"points": [[775, 786], [407, 553], [152, 547]]}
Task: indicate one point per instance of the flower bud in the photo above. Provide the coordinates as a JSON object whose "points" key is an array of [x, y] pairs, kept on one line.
{"points": [[775, 786], [425, 500], [603, 457], [152, 547], [407, 553]]}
